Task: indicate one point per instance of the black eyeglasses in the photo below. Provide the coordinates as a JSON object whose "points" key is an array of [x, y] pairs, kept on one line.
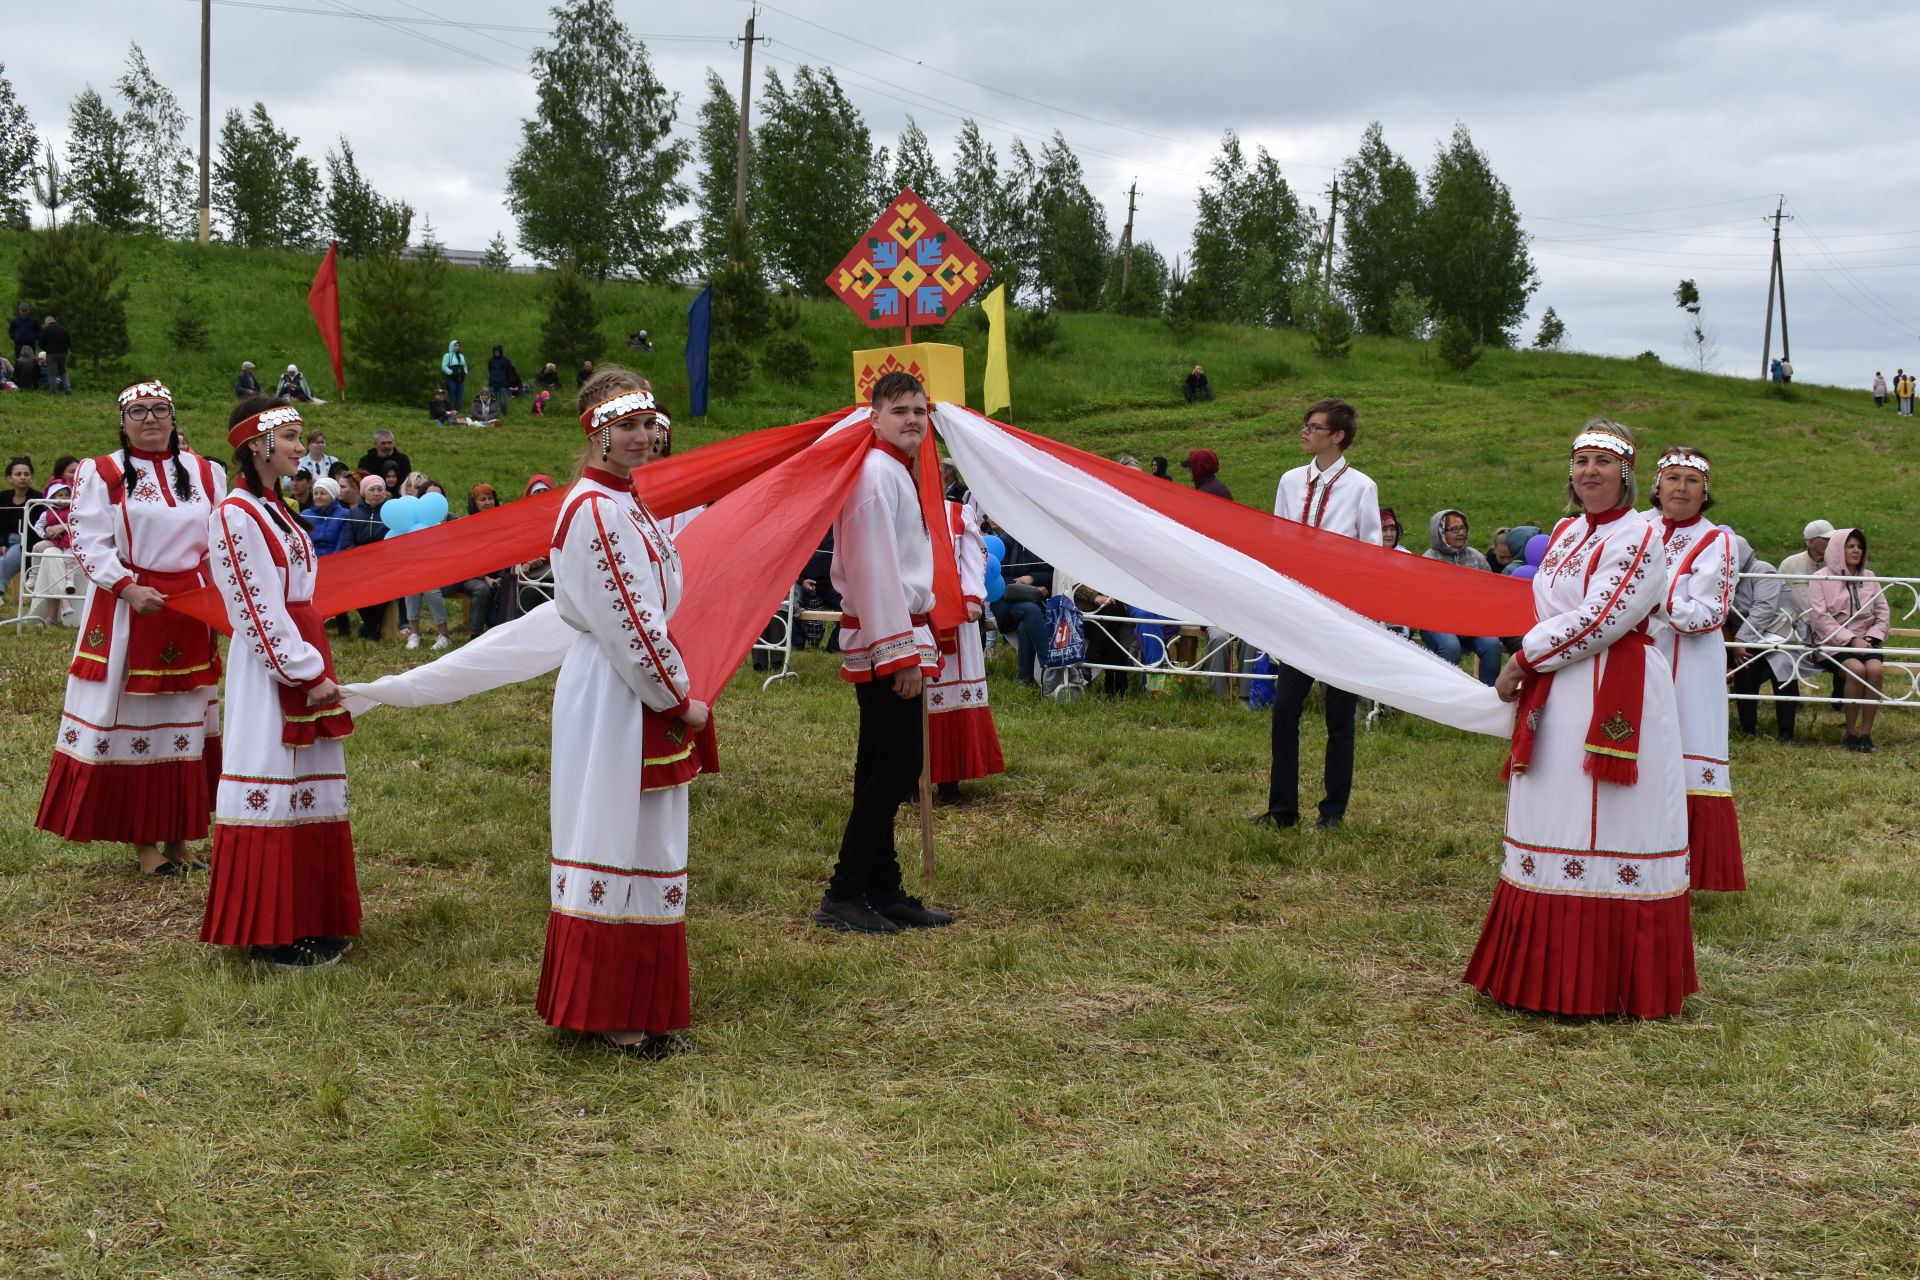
{"points": [[158, 412]]}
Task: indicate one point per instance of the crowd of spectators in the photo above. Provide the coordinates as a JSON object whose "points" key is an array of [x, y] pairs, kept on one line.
{"points": [[41, 348]]}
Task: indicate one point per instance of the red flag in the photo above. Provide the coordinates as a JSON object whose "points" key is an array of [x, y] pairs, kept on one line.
{"points": [[324, 298]]}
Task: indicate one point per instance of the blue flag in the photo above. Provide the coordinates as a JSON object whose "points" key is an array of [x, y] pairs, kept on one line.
{"points": [[699, 339]]}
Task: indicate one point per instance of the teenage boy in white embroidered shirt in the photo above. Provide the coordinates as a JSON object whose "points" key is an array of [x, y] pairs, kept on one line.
{"points": [[1329, 494]]}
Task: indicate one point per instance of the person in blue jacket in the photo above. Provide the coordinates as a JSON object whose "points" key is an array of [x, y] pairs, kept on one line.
{"points": [[327, 520], [453, 373]]}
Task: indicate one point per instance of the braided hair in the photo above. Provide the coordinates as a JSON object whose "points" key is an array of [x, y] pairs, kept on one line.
{"points": [[249, 469]]}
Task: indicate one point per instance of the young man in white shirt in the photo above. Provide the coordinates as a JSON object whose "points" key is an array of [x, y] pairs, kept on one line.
{"points": [[1329, 494], [883, 570]]}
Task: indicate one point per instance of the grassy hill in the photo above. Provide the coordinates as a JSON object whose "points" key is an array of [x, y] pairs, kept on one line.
{"points": [[1491, 441]]}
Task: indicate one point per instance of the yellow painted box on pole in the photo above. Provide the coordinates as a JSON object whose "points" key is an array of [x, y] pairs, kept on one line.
{"points": [[940, 366]]}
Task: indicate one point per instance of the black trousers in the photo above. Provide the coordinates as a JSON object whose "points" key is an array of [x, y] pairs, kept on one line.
{"points": [[1751, 679], [886, 774], [1283, 784]]}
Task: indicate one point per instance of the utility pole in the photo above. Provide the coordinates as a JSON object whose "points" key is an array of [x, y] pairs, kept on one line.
{"points": [[206, 120], [1333, 210], [1126, 240], [746, 97], [1776, 278]]}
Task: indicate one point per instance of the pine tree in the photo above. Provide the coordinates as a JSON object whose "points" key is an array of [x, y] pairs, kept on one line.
{"points": [[155, 126], [360, 219], [596, 175], [267, 194], [571, 331], [1070, 230], [740, 305], [1455, 343], [17, 146], [1380, 233], [1249, 206], [73, 273], [715, 184], [498, 257], [1326, 320], [100, 167], [397, 321], [815, 162], [1473, 251]]}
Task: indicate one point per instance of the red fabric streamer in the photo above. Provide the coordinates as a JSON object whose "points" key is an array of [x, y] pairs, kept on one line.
{"points": [[324, 299], [1410, 591], [519, 531], [949, 609]]}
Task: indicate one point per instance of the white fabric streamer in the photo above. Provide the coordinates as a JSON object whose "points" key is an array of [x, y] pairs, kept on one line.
{"points": [[1092, 531], [531, 645]]}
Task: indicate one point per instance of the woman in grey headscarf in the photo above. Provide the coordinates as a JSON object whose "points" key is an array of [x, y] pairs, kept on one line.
{"points": [[1448, 536]]}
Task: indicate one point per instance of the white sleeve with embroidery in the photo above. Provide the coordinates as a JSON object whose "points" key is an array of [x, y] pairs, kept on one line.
{"points": [[607, 571], [972, 556], [95, 525], [867, 556], [1625, 584], [249, 584], [1697, 600]]}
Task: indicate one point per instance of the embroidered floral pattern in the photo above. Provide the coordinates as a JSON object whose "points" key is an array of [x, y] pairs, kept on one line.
{"points": [[597, 890], [1628, 874], [100, 746], [256, 800], [674, 895], [1573, 869], [1706, 775], [141, 746], [305, 799], [1527, 864], [563, 882], [71, 736], [181, 742]]}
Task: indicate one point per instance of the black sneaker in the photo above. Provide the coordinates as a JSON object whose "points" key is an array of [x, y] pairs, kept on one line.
{"points": [[1329, 823], [909, 912], [652, 1047], [1275, 820], [301, 953], [855, 915]]}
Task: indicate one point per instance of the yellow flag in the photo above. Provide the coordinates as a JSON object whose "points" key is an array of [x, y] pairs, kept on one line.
{"points": [[996, 395]]}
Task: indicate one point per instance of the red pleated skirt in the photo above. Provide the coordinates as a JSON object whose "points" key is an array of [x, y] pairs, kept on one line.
{"points": [[614, 977], [1713, 843], [964, 744], [130, 803], [1559, 953], [274, 884]]}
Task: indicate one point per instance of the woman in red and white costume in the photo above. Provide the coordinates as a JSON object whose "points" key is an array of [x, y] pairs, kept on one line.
{"points": [[1591, 915], [623, 748], [138, 746], [283, 877], [960, 733], [1687, 632]]}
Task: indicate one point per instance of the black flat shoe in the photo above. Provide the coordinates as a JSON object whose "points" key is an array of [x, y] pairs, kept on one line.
{"points": [[185, 865], [167, 867], [1275, 820], [909, 912], [650, 1048], [855, 915]]}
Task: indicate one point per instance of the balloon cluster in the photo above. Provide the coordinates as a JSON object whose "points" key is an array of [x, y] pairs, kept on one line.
{"points": [[1536, 548], [409, 515], [996, 580]]}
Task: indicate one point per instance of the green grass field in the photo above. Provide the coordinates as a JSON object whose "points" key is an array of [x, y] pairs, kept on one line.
{"points": [[1159, 1042]]}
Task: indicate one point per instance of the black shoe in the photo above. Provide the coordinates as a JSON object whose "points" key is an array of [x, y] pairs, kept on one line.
{"points": [[654, 1046], [339, 946], [1784, 739], [1851, 743], [1866, 746], [301, 953], [167, 867], [1275, 820], [1327, 823], [950, 794], [909, 912], [855, 915], [183, 865]]}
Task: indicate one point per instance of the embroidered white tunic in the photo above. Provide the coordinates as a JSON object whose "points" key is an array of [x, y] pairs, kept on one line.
{"points": [[155, 529], [883, 570], [962, 682], [1567, 832], [619, 852], [1686, 630], [1340, 500], [263, 781]]}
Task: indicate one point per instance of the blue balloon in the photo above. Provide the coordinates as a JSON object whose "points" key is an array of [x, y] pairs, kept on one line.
{"points": [[996, 546], [996, 587], [432, 510], [1525, 570], [402, 515]]}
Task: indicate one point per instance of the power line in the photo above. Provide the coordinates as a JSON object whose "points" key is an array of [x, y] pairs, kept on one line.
{"points": [[476, 27], [1861, 285], [350, 11], [1645, 213]]}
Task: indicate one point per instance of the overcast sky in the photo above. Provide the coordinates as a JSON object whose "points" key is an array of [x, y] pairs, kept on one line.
{"points": [[1642, 141]]}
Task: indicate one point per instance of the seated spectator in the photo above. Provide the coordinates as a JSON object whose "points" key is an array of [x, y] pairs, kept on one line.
{"points": [[1160, 467], [440, 409], [26, 369], [540, 402], [1807, 561], [6, 375], [1760, 622], [1022, 611], [247, 383], [56, 582], [1390, 531], [13, 519], [327, 520], [1197, 387], [317, 461], [485, 592], [1517, 539], [293, 386], [1447, 537], [1499, 554], [433, 602], [1851, 620], [486, 407], [1205, 466], [370, 528], [1109, 642], [583, 373], [548, 379], [638, 341], [299, 491], [384, 459]]}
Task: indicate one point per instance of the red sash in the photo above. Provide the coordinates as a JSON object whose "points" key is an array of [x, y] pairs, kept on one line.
{"points": [[671, 754], [167, 652], [1613, 734], [307, 723]]}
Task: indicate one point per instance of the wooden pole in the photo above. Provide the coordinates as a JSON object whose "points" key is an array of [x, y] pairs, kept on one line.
{"points": [[746, 99], [206, 120], [1773, 274], [926, 800]]}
